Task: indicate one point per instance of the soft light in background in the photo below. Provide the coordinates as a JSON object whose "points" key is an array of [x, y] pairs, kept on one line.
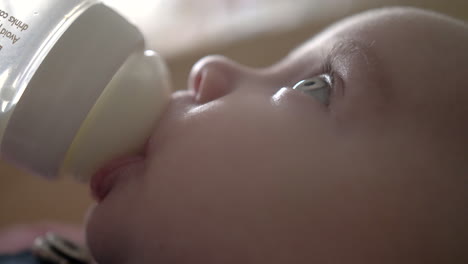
{"points": [[253, 32]]}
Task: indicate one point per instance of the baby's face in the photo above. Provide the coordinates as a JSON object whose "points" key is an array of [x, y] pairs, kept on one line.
{"points": [[244, 169]]}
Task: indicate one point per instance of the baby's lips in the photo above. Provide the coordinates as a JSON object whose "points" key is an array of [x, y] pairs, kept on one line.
{"points": [[103, 180]]}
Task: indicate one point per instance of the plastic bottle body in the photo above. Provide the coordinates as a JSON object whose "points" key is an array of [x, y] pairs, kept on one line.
{"points": [[29, 30], [64, 78]]}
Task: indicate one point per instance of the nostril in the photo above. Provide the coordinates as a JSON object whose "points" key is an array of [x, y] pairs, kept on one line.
{"points": [[213, 77], [197, 82], [211, 84]]}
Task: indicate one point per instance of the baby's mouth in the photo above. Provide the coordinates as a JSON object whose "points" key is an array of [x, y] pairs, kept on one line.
{"points": [[104, 179]]}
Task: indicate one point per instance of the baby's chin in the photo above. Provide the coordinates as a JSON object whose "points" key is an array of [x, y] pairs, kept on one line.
{"points": [[94, 241], [100, 245]]}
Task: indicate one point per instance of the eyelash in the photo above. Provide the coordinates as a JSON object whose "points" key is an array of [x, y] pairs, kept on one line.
{"points": [[327, 68]]}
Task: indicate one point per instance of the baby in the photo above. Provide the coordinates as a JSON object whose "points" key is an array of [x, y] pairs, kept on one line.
{"points": [[353, 149]]}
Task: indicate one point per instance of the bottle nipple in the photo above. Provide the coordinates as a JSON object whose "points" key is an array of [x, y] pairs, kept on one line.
{"points": [[123, 117]]}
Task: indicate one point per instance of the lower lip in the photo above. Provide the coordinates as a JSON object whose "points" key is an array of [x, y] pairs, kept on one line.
{"points": [[104, 179]]}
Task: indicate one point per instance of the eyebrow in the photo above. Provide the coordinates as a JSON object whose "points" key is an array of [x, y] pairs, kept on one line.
{"points": [[348, 47], [326, 57]]}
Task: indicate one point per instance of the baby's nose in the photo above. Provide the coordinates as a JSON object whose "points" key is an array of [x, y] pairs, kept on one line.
{"points": [[215, 76]]}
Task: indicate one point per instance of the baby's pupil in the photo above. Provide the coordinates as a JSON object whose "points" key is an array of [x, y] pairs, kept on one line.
{"points": [[309, 83]]}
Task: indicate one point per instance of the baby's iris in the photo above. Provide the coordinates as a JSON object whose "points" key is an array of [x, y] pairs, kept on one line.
{"points": [[319, 87]]}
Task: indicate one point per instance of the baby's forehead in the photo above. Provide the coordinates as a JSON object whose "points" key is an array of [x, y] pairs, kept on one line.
{"points": [[399, 37], [397, 24], [421, 58]]}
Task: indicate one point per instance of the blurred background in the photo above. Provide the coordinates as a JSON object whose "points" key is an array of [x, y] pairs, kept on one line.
{"points": [[252, 32]]}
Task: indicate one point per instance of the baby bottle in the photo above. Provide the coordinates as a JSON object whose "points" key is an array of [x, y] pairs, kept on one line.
{"points": [[77, 86]]}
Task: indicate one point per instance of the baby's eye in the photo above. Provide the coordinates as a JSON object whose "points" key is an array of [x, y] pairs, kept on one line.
{"points": [[319, 87]]}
